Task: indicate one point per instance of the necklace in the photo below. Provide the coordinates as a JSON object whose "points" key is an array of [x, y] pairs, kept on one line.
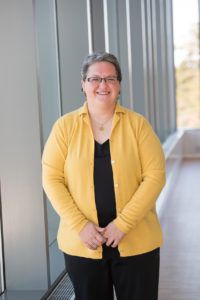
{"points": [[101, 126]]}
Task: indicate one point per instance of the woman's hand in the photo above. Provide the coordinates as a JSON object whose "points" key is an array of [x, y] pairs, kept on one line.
{"points": [[113, 235], [92, 236]]}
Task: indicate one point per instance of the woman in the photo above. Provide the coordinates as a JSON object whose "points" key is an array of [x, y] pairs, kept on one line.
{"points": [[103, 169]]}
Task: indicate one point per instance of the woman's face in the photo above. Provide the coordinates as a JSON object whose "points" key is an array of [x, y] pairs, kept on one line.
{"points": [[101, 92]]}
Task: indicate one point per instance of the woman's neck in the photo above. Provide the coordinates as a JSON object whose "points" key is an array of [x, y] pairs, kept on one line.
{"points": [[101, 113], [101, 121]]}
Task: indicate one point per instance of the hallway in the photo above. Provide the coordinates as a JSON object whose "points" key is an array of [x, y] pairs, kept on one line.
{"points": [[180, 259]]}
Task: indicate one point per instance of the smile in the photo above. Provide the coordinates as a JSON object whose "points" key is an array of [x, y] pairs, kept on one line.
{"points": [[103, 93]]}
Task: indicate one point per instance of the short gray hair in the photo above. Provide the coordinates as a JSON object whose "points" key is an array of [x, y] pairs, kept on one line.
{"points": [[99, 57]]}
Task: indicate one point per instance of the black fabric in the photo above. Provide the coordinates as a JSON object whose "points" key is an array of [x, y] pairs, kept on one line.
{"points": [[134, 277], [103, 183], [104, 191]]}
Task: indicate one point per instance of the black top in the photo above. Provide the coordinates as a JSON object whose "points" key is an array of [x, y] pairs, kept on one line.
{"points": [[104, 190]]}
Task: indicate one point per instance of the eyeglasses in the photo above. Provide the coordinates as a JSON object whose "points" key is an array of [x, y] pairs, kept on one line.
{"points": [[95, 80]]}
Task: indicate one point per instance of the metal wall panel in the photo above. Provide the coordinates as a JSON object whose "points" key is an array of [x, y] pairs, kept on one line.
{"points": [[73, 47], [50, 105], [21, 189]]}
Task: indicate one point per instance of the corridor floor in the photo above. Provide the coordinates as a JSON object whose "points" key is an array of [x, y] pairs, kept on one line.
{"points": [[180, 254]]}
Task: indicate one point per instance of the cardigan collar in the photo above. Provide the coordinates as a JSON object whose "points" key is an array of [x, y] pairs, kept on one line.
{"points": [[84, 109]]}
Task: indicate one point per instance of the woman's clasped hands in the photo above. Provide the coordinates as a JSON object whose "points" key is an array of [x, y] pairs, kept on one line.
{"points": [[94, 236]]}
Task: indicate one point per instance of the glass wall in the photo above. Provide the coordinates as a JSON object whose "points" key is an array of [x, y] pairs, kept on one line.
{"points": [[187, 62], [140, 34]]}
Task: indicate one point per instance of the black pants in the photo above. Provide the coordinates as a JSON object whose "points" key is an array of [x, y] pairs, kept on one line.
{"points": [[133, 277]]}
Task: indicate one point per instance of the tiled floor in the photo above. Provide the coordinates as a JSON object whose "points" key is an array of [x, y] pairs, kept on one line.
{"points": [[180, 255]]}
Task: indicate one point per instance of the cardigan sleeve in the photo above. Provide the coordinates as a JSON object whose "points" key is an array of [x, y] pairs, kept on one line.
{"points": [[152, 163], [53, 160]]}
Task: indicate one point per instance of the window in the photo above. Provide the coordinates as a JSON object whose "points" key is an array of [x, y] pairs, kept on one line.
{"points": [[186, 57]]}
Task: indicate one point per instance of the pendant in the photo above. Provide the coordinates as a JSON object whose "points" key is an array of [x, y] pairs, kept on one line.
{"points": [[101, 128]]}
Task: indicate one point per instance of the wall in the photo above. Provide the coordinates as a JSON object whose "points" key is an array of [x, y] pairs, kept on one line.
{"points": [[21, 191], [140, 34]]}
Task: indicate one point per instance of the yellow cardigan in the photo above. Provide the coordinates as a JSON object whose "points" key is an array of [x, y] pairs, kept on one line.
{"points": [[138, 166]]}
